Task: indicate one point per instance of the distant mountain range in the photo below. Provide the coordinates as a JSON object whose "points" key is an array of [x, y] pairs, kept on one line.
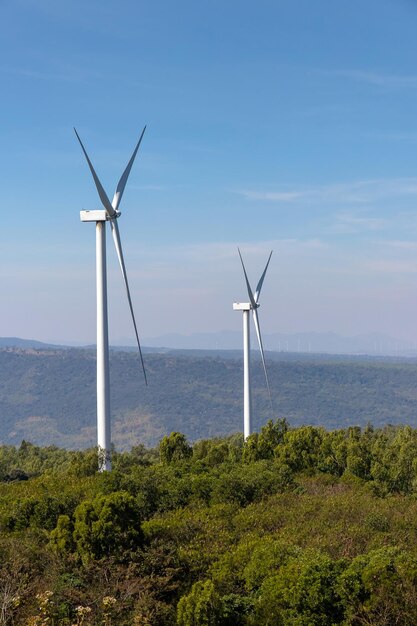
{"points": [[308, 342], [48, 395], [375, 344], [16, 342]]}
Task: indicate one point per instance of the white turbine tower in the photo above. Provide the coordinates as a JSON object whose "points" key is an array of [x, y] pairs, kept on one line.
{"points": [[110, 214], [253, 306]]}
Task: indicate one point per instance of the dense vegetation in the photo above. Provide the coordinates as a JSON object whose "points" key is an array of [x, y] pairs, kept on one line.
{"points": [[48, 396], [298, 526]]}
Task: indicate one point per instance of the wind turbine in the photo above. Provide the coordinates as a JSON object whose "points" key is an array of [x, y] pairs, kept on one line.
{"points": [[110, 214], [253, 306]]}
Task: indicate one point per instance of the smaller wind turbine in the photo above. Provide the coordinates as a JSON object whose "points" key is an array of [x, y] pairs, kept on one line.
{"points": [[110, 214], [252, 305]]}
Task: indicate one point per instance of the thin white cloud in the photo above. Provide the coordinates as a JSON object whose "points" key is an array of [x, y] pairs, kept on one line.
{"points": [[379, 79], [66, 73], [147, 187], [89, 16], [402, 245], [204, 253], [275, 196], [354, 192], [393, 136], [394, 266], [347, 223]]}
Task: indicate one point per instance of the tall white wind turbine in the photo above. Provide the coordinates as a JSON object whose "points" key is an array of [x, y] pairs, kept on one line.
{"points": [[110, 214], [252, 305]]}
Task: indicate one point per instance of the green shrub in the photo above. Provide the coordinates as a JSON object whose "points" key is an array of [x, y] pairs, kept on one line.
{"points": [[174, 447], [107, 525], [201, 607]]}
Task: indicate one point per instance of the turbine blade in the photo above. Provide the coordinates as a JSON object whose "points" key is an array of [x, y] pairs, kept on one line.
{"points": [[103, 196], [118, 245], [123, 179], [261, 280], [258, 333], [251, 298]]}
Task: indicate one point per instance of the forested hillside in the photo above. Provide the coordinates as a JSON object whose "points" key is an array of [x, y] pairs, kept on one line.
{"points": [[48, 396], [298, 527]]}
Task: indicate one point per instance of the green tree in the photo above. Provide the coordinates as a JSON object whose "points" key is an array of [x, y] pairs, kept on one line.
{"points": [[174, 447], [358, 453], [250, 449], [107, 525], [271, 435], [333, 452], [300, 448], [301, 593], [394, 460], [61, 538], [380, 588], [261, 446], [267, 556], [201, 607]]}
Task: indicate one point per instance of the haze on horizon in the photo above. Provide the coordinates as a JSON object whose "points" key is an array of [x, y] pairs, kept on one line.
{"points": [[281, 125]]}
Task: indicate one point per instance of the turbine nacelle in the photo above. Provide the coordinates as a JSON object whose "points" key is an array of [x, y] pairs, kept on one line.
{"points": [[244, 306], [98, 215]]}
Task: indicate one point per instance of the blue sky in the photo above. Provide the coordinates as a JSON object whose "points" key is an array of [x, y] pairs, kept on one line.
{"points": [[279, 124]]}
